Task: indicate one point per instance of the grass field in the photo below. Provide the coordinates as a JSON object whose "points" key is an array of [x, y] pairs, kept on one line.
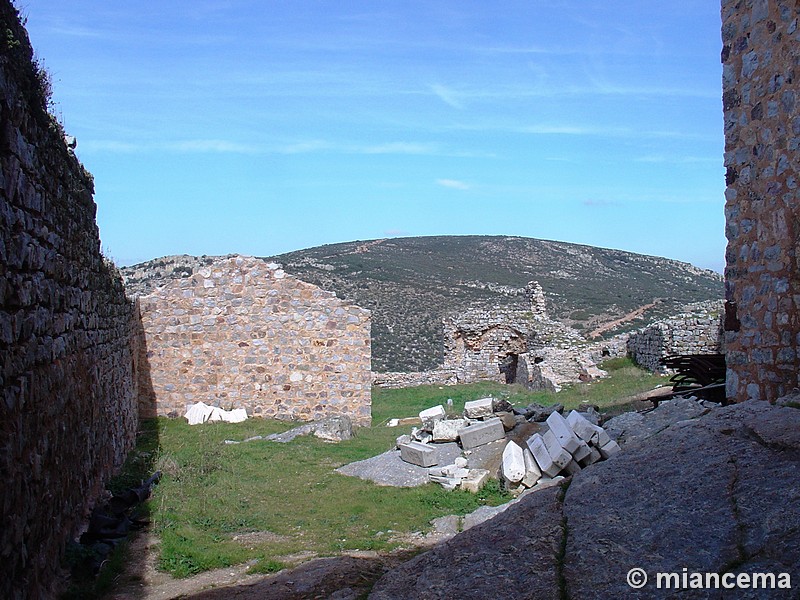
{"points": [[260, 502]]}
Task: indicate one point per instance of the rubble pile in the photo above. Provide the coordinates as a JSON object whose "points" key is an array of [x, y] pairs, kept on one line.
{"points": [[568, 445], [562, 446]]}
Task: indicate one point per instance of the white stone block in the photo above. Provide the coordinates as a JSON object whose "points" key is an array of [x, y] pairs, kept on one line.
{"points": [[446, 430], [476, 479], [582, 452], [593, 457], [582, 428], [532, 471], [563, 432], [481, 433], [430, 415], [572, 467], [560, 456], [476, 409], [513, 462], [419, 454], [610, 448], [602, 436], [537, 447]]}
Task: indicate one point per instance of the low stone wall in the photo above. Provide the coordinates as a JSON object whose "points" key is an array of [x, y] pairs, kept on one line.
{"points": [[241, 333], [412, 379], [68, 411], [691, 333]]}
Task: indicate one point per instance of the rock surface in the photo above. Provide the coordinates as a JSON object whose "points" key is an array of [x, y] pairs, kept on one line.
{"points": [[713, 494], [389, 469]]}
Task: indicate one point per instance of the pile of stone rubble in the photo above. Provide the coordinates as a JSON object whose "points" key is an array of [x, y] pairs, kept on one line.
{"points": [[562, 446]]}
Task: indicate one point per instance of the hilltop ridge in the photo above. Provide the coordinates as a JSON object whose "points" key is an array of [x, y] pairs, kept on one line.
{"points": [[409, 284]]}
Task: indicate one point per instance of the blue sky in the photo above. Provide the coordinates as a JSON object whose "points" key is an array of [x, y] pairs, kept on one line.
{"points": [[219, 126]]}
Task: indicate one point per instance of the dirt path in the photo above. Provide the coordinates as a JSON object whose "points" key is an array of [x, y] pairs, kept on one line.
{"points": [[344, 577], [629, 317]]}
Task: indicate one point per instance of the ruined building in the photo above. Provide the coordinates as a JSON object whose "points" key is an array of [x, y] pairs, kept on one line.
{"points": [[761, 101], [238, 332]]}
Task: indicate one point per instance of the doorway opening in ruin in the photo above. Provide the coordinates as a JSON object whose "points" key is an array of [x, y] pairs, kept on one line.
{"points": [[508, 367]]}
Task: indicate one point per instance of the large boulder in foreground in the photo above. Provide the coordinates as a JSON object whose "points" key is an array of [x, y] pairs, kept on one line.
{"points": [[715, 494]]}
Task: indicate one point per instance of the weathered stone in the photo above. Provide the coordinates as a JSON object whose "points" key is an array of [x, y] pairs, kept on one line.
{"points": [[539, 451], [637, 426], [539, 413], [481, 433], [636, 511], [609, 449], [334, 429], [583, 451], [513, 462], [477, 409], [582, 427], [593, 457], [446, 430], [475, 480], [508, 419], [563, 432], [572, 467], [448, 483], [391, 470], [418, 454], [430, 416], [560, 456], [532, 472], [402, 439]]}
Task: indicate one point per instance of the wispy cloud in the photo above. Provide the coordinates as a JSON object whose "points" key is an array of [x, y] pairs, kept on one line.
{"points": [[453, 184], [599, 203], [447, 96]]}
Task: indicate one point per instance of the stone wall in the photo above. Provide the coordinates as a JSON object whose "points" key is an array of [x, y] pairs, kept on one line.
{"points": [[761, 102], [240, 333], [68, 413], [699, 332]]}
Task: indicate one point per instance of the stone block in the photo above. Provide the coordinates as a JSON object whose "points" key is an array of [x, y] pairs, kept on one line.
{"points": [[582, 428], [446, 430], [477, 409], [539, 451], [572, 467], [602, 436], [563, 432], [481, 433], [476, 479], [513, 466], [429, 416], [509, 420], [609, 449], [593, 457], [582, 452], [532, 471], [418, 454], [560, 456], [448, 483]]}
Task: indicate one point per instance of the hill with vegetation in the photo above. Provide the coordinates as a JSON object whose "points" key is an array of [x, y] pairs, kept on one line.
{"points": [[411, 283]]}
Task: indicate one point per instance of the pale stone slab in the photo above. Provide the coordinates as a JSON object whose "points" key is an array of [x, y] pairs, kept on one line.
{"points": [[563, 432], [560, 456], [572, 467], [418, 454], [539, 451], [481, 433], [582, 452], [513, 462], [532, 471], [476, 409], [593, 457], [602, 437], [582, 427], [429, 416], [446, 430], [609, 449], [476, 479], [448, 483]]}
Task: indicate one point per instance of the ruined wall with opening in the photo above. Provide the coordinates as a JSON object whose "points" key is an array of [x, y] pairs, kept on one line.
{"points": [[761, 71], [698, 332], [68, 412], [238, 332]]}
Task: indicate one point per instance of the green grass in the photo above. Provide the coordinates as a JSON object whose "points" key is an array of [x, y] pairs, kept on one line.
{"points": [[288, 497]]}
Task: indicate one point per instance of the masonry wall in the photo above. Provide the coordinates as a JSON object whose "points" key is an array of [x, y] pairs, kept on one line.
{"points": [[67, 413], [761, 73], [684, 334], [240, 332]]}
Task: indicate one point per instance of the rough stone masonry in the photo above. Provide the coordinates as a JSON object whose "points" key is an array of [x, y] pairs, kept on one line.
{"points": [[761, 102], [68, 410], [241, 333]]}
